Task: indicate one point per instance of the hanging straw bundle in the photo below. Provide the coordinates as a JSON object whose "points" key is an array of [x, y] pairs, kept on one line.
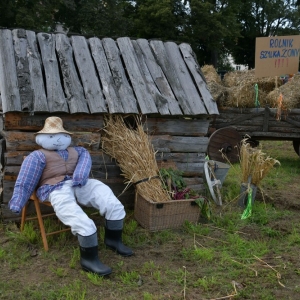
{"points": [[135, 156], [255, 164]]}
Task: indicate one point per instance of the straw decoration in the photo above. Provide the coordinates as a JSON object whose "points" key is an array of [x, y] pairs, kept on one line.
{"points": [[135, 156], [254, 163]]}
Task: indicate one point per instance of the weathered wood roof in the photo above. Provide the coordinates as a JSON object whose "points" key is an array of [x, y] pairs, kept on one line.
{"points": [[43, 72]]}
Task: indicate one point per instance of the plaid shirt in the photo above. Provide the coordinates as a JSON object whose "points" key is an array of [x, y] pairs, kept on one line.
{"points": [[31, 172]]}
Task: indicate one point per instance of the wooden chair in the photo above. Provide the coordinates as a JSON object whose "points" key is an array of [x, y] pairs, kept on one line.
{"points": [[39, 216]]}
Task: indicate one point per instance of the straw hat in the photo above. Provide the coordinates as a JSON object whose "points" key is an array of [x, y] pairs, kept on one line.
{"points": [[53, 125]]}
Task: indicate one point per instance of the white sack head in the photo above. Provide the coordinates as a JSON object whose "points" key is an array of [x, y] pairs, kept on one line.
{"points": [[56, 141]]}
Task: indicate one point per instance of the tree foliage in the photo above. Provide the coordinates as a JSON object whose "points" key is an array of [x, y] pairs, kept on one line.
{"points": [[214, 28], [262, 18]]}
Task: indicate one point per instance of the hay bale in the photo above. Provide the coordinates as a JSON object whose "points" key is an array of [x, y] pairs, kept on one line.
{"points": [[218, 92], [245, 96], [242, 88], [211, 74], [290, 95], [236, 78]]}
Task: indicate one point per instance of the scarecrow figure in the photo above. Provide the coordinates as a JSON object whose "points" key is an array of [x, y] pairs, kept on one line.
{"points": [[60, 174]]}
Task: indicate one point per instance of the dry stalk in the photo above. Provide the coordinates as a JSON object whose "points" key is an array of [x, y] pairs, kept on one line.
{"points": [[278, 275], [135, 156], [254, 163], [228, 296], [256, 273]]}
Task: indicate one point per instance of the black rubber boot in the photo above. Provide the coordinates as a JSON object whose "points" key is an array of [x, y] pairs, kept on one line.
{"points": [[89, 259], [113, 240], [90, 262]]}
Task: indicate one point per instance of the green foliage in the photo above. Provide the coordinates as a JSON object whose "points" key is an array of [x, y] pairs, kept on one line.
{"points": [[74, 258], [206, 282], [213, 28], [174, 183], [129, 278], [60, 272], [95, 279], [198, 254]]}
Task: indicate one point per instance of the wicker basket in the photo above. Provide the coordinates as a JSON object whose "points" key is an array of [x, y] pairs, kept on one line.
{"points": [[165, 215]]}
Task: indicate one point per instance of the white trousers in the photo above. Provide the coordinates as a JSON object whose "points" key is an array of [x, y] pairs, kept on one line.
{"points": [[94, 194]]}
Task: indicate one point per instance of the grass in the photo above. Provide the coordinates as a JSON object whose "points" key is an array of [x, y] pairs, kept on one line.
{"points": [[223, 258]]}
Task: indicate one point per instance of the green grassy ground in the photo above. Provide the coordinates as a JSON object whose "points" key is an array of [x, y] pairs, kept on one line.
{"points": [[221, 258]]}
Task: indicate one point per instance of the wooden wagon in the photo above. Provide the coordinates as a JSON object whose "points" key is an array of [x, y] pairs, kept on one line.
{"points": [[233, 124], [81, 80]]}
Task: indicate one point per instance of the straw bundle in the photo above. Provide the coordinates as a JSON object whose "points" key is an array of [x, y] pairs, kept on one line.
{"points": [[290, 94], [135, 156], [255, 165], [211, 74]]}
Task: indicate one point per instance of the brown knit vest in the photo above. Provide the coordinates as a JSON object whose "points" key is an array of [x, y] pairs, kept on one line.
{"points": [[56, 167]]}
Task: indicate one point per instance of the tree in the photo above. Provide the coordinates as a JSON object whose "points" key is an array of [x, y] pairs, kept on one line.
{"points": [[211, 27], [263, 18], [162, 19]]}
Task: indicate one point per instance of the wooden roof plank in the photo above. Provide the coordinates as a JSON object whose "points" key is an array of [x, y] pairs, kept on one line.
{"points": [[193, 98], [159, 77], [9, 82], [161, 101], [109, 88], [89, 79], [146, 102], [193, 66], [55, 94], [36, 77], [22, 69], [72, 84], [124, 89], [161, 56]]}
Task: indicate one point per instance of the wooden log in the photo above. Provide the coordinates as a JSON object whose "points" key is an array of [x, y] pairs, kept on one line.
{"points": [[13, 158], [22, 68], [55, 95], [160, 101], [109, 88], [89, 79], [260, 135], [146, 102], [167, 66], [159, 77], [195, 70], [182, 127], [72, 123], [9, 82], [36, 77], [167, 143], [194, 100], [107, 170], [72, 85], [25, 141], [170, 158], [124, 89]]}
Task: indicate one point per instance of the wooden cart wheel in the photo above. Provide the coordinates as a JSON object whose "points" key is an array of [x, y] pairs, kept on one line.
{"points": [[213, 183], [296, 145], [227, 141]]}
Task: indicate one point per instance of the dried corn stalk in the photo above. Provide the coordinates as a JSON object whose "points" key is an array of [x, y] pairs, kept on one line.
{"points": [[135, 156]]}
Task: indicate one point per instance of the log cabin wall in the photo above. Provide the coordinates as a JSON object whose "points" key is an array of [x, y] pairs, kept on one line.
{"points": [[81, 80]]}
